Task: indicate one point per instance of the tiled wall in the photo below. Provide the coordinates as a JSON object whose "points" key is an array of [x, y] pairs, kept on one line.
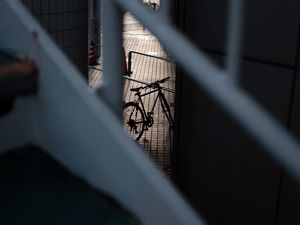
{"points": [[67, 23], [222, 169], [94, 24]]}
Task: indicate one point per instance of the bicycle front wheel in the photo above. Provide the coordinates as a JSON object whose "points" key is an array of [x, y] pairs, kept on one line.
{"points": [[133, 120]]}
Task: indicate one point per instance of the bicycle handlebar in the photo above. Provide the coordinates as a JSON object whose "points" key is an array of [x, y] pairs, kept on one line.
{"points": [[154, 85], [163, 80]]}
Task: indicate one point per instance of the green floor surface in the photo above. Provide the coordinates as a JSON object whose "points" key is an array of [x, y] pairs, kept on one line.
{"points": [[36, 190]]}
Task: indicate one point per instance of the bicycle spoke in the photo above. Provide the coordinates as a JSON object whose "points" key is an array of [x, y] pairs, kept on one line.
{"points": [[133, 120]]}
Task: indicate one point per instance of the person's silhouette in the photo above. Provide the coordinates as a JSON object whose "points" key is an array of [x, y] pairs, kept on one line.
{"points": [[22, 67]]}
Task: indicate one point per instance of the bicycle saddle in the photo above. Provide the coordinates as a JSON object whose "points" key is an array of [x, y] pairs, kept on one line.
{"points": [[136, 89]]}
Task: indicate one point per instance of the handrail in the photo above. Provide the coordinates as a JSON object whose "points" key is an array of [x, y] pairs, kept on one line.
{"points": [[143, 54], [95, 68]]}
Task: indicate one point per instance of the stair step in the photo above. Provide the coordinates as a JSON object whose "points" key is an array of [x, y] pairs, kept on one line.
{"points": [[35, 189]]}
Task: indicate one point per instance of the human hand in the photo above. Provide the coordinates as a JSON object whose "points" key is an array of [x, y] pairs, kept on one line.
{"points": [[25, 67]]}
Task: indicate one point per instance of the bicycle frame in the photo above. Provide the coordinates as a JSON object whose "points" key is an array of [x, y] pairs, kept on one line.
{"points": [[164, 103]]}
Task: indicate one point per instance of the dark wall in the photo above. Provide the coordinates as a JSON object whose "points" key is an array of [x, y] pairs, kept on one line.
{"points": [[67, 23], [220, 168]]}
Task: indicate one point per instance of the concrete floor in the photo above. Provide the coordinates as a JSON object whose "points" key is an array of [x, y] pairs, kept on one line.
{"points": [[157, 141]]}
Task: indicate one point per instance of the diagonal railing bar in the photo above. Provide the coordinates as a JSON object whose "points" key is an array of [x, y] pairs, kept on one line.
{"points": [[276, 140], [164, 8], [234, 38], [111, 88], [90, 140]]}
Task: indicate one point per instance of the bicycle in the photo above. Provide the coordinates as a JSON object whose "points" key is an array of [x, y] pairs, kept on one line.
{"points": [[136, 119]]}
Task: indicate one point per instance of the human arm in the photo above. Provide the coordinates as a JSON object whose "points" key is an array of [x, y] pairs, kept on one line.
{"points": [[24, 67]]}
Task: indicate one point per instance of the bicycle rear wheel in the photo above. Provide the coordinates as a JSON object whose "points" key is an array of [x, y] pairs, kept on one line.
{"points": [[133, 120], [153, 6]]}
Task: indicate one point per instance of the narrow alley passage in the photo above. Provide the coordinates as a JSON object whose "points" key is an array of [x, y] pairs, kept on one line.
{"points": [[157, 141]]}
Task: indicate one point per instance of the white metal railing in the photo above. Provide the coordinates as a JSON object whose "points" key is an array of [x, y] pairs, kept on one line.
{"points": [[234, 38], [219, 83], [76, 126], [88, 139]]}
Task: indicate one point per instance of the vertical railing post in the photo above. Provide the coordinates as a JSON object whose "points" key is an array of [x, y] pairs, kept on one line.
{"points": [[234, 38], [97, 28], [129, 63], [164, 8], [112, 89]]}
